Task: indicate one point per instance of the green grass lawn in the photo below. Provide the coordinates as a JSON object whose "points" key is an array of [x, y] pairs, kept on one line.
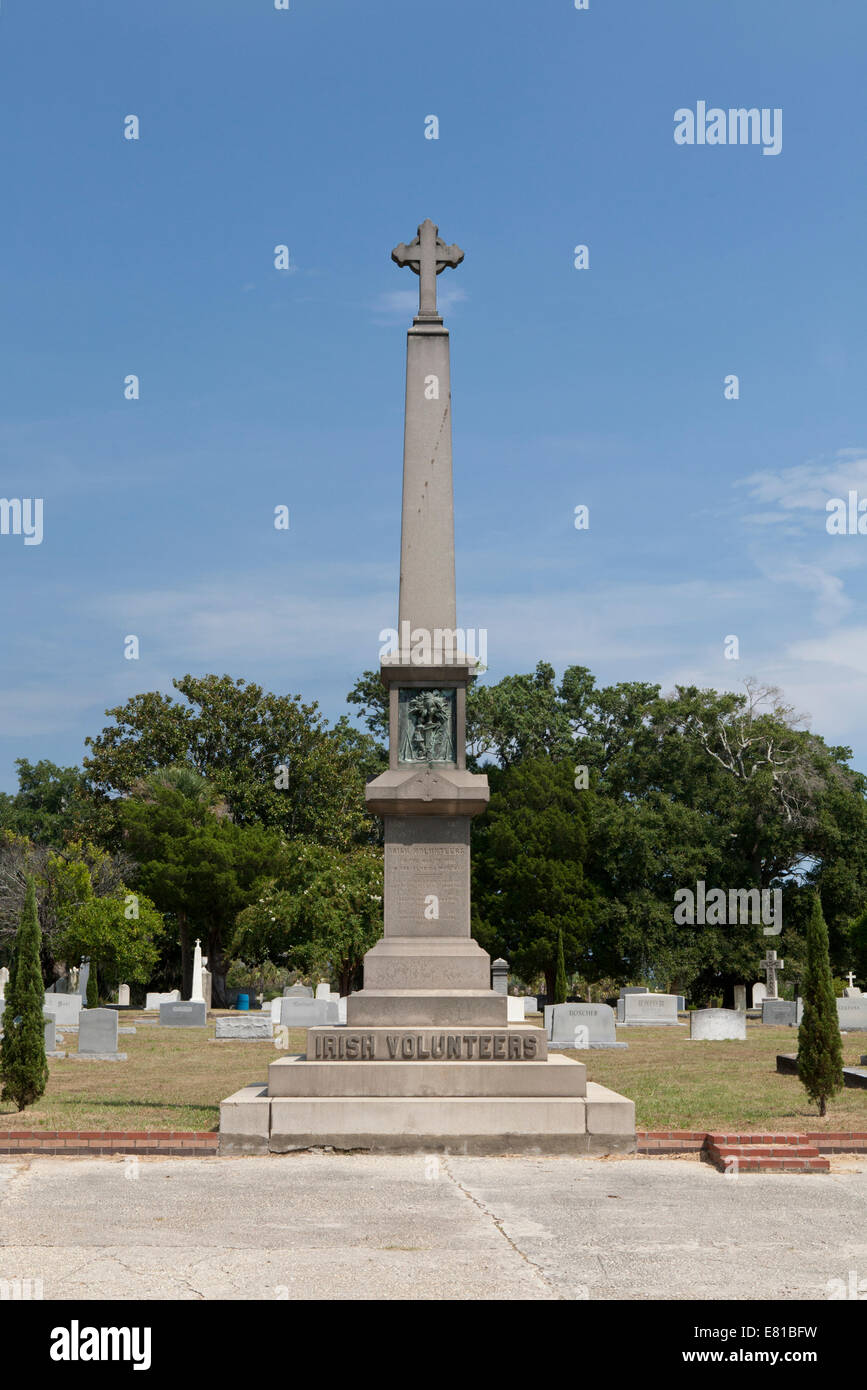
{"points": [[175, 1079]]}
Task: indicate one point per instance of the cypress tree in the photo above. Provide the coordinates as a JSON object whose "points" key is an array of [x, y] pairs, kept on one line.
{"points": [[560, 987], [23, 1067], [92, 1000], [820, 1049]]}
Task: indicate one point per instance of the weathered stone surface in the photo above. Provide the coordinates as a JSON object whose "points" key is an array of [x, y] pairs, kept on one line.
{"points": [[521, 1044], [245, 1121], [852, 1013], [64, 1008], [299, 1076], [192, 1014], [741, 998], [648, 1011], [782, 1012], [714, 1025], [153, 1001], [251, 1026], [298, 1012], [97, 1031], [581, 1026]]}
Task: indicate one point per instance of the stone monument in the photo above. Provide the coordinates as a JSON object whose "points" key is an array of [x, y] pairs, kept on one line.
{"points": [[771, 965], [427, 1059], [196, 995]]}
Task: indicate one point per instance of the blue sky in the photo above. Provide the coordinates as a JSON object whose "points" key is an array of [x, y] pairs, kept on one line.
{"points": [[602, 387]]}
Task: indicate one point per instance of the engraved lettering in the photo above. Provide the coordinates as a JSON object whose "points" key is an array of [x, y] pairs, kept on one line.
{"points": [[499, 1046], [485, 1047], [393, 1044], [453, 1048]]}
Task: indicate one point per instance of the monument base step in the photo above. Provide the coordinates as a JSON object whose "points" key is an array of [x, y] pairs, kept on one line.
{"points": [[427, 1008], [601, 1122], [305, 1077], [510, 1042]]}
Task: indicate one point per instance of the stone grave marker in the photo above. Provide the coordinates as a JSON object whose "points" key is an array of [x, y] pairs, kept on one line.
{"points": [[760, 994], [64, 1008], [247, 1026], [781, 1013], [153, 1001], [583, 1026], [123, 996], [97, 1035], [648, 1011], [715, 1025], [297, 1012], [852, 1013], [191, 1013], [500, 976], [741, 998]]}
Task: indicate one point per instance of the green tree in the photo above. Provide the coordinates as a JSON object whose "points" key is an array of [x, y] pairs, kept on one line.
{"points": [[197, 867], [529, 853], [820, 1049], [23, 1065], [561, 988], [321, 914], [270, 758], [120, 933], [52, 804]]}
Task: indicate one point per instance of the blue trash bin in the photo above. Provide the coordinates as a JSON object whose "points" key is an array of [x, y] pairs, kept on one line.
{"points": [[243, 1003]]}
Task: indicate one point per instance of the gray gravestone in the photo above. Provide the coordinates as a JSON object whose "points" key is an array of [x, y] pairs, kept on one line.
{"points": [[50, 1033], [192, 1014], [251, 1026], [760, 994], [715, 1025], [782, 1013], [648, 1011], [300, 991], [852, 1013], [741, 998], [633, 989], [83, 977], [64, 1008], [500, 976], [581, 1026], [97, 1031], [307, 1013]]}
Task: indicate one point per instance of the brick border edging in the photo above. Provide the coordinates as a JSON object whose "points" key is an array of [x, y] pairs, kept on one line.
{"points": [[671, 1141], [91, 1142]]}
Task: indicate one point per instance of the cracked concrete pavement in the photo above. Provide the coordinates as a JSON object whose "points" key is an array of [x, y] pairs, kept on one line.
{"points": [[331, 1226]]}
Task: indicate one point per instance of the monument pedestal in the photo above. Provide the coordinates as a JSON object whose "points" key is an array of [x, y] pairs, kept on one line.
{"points": [[427, 1060]]}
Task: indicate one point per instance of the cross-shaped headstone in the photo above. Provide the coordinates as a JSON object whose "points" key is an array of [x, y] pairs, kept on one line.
{"points": [[771, 965], [851, 978], [428, 257]]}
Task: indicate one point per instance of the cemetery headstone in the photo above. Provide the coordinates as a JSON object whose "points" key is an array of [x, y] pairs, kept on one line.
{"points": [[323, 990], [123, 996], [633, 989], [741, 998], [530, 1005], [252, 1026], [714, 1025], [781, 1013], [83, 977], [207, 983], [500, 976], [302, 991], [154, 1001], [581, 1026], [97, 1034], [771, 964], [649, 1011], [852, 1013], [297, 1012], [65, 1008], [4, 980], [760, 994], [189, 1014], [50, 1033], [196, 995]]}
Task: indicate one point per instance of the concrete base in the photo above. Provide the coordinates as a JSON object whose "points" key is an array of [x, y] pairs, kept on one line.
{"points": [[97, 1056], [598, 1122], [300, 1077], [425, 1008]]}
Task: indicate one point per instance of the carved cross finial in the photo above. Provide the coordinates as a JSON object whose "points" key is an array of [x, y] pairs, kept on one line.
{"points": [[427, 256]]}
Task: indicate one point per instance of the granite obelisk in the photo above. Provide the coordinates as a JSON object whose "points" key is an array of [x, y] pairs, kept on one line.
{"points": [[427, 1059]]}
